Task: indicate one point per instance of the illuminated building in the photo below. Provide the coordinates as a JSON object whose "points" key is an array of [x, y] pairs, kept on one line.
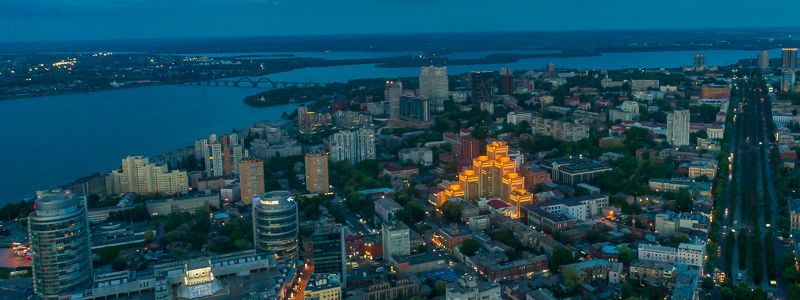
{"points": [[275, 225], [325, 286], [251, 179], [58, 230], [317, 172], [492, 175], [328, 247]]}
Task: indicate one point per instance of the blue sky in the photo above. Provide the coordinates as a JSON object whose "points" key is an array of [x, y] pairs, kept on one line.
{"points": [[50, 20]]}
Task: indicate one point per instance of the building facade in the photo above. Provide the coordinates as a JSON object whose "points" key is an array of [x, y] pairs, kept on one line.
{"points": [[58, 231], [354, 146], [316, 164], [678, 128], [275, 224], [251, 179]]}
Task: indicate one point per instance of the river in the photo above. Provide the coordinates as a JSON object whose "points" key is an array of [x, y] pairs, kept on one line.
{"points": [[49, 141]]}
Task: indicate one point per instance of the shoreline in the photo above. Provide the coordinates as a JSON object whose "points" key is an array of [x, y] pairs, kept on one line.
{"points": [[409, 61]]}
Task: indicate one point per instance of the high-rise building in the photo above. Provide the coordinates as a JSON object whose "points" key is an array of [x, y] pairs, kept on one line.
{"points": [[433, 82], [550, 68], [396, 238], [788, 81], [506, 81], [678, 128], [139, 176], [353, 146], [392, 93], [481, 85], [789, 58], [316, 164], [492, 175], [58, 231], [763, 60], [415, 109], [251, 179], [329, 253], [275, 224], [699, 62]]}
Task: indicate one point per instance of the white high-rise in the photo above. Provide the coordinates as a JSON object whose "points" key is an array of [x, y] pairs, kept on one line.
{"points": [[433, 84], [678, 128], [396, 239], [353, 146], [138, 175]]}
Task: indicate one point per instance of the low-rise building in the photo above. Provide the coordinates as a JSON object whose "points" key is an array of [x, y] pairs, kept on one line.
{"points": [[597, 270], [703, 167], [498, 268], [652, 273], [325, 286], [419, 156], [418, 263], [560, 130], [399, 289], [685, 253], [676, 184], [669, 222], [470, 289], [191, 203], [579, 208], [574, 170], [450, 237]]}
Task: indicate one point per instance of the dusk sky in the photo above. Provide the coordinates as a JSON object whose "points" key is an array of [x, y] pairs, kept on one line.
{"points": [[50, 20]]}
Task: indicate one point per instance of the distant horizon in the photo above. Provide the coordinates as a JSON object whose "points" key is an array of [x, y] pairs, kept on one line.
{"points": [[367, 34]]}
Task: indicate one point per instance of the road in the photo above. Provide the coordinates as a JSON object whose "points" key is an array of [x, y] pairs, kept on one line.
{"points": [[751, 195]]}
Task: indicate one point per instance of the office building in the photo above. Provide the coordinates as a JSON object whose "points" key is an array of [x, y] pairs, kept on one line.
{"points": [[324, 286], [251, 179], [354, 146], [434, 85], [316, 164], [789, 58], [506, 81], [481, 85], [392, 93], [328, 246], [763, 60], [678, 128], [139, 176], [58, 231], [396, 239], [275, 224]]}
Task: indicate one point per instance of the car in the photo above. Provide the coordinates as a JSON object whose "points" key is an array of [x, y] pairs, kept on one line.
{"points": [[739, 276], [380, 270]]}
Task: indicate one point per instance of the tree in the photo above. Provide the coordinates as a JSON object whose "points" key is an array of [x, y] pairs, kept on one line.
{"points": [[470, 247], [561, 256], [451, 211], [571, 278], [625, 255], [119, 264], [684, 201]]}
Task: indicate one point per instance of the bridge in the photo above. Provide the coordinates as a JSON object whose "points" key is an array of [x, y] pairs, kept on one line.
{"points": [[253, 82]]}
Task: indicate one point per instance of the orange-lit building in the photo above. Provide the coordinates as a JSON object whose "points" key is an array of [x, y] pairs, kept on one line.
{"points": [[492, 175]]}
